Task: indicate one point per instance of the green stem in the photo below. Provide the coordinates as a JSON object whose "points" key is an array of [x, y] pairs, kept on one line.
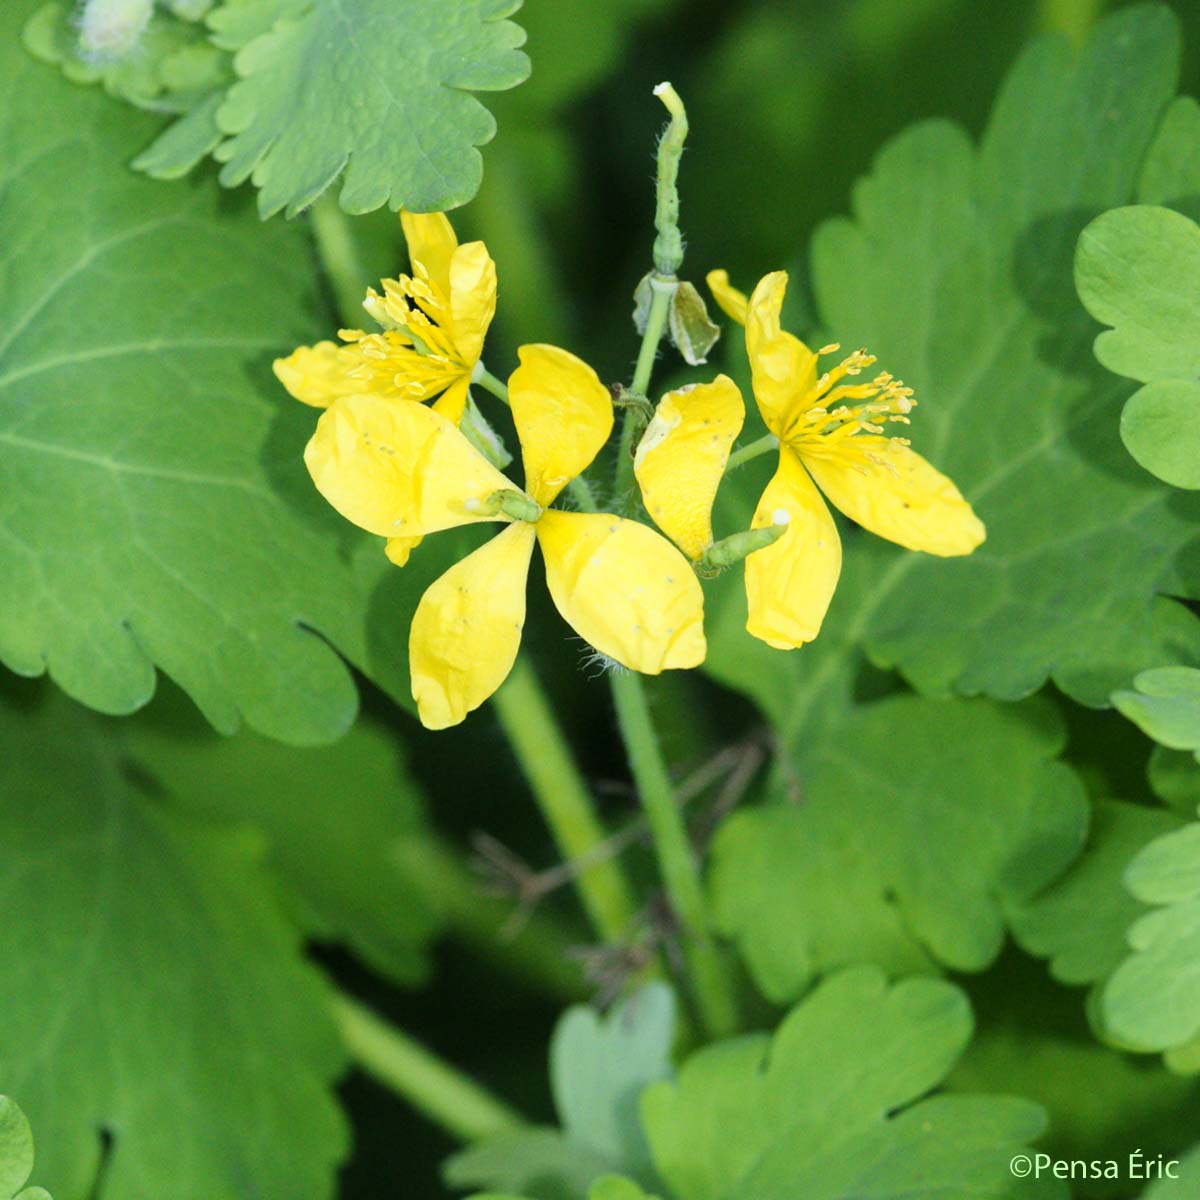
{"points": [[339, 257], [545, 758], [743, 454], [446, 1096], [656, 324], [1073, 17], [486, 380], [677, 863]]}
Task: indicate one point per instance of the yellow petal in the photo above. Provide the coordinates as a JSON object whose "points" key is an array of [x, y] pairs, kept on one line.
{"points": [[472, 299], [453, 401], [431, 242], [625, 589], [731, 302], [318, 374], [563, 415], [467, 629], [682, 456], [398, 549], [398, 470], [790, 583], [783, 367], [892, 491]]}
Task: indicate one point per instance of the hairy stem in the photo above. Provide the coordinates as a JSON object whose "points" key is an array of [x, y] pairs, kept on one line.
{"points": [[656, 323], [677, 864], [447, 1097], [565, 801]]}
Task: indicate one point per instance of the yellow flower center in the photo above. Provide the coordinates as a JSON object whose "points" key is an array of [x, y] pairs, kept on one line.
{"points": [[415, 352], [826, 427]]}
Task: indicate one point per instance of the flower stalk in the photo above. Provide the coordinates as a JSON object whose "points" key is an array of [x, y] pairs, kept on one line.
{"points": [[462, 1107], [564, 799], [677, 864]]}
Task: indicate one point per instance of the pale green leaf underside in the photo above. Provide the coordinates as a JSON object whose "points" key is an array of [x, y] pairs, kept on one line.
{"points": [[16, 1154], [154, 507], [1182, 1188], [181, 1017], [1165, 704], [1152, 1000], [599, 1068], [1079, 923], [956, 272], [377, 88], [1138, 270], [1160, 427], [832, 1107], [907, 847]]}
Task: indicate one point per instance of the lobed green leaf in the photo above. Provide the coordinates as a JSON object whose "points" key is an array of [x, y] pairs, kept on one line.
{"points": [[180, 1018]]}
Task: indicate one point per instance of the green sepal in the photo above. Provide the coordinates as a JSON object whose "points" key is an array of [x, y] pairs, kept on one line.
{"points": [[479, 432], [693, 333], [733, 549]]}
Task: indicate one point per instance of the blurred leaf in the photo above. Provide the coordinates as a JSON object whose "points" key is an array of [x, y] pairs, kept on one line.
{"points": [[1152, 1000], [599, 1068], [1171, 172], [956, 272], [830, 1106], [151, 988], [1079, 922], [156, 509], [1101, 1104], [574, 46], [607, 1187], [16, 1154], [916, 833], [172, 69], [336, 820], [1165, 705], [1175, 778], [378, 88], [1184, 1187]]}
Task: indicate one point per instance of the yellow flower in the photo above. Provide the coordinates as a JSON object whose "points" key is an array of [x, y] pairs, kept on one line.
{"points": [[405, 470], [831, 436], [433, 325], [434, 322]]}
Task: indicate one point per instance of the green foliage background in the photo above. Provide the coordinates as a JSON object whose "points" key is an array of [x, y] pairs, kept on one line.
{"points": [[984, 774]]}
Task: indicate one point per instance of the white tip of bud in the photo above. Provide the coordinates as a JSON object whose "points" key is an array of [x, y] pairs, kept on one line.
{"points": [[781, 516], [662, 87], [111, 28]]}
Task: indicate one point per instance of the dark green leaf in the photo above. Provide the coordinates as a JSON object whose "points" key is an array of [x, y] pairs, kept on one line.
{"points": [[151, 987]]}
